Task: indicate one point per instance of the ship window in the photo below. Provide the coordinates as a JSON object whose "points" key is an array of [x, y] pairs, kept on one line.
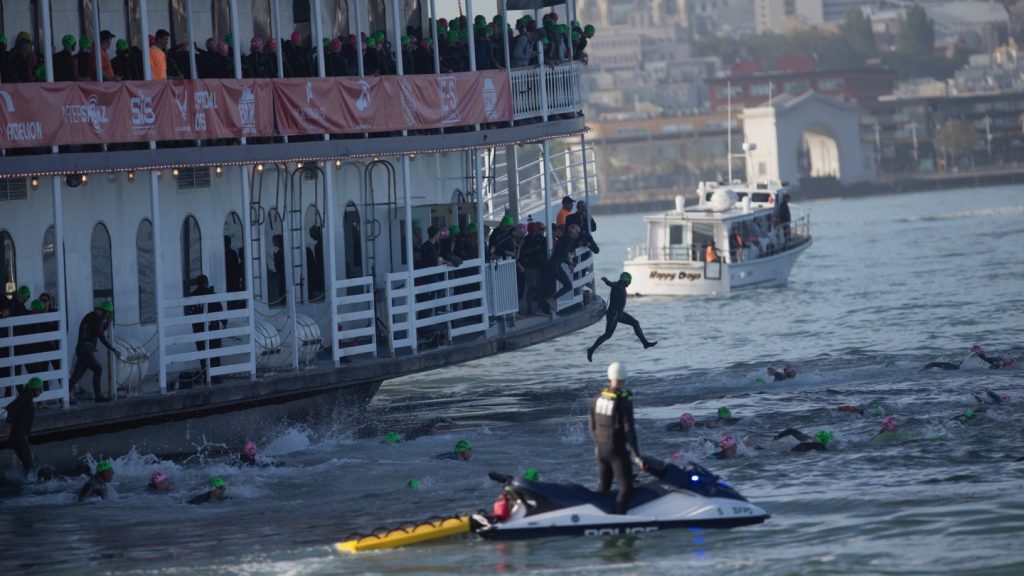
{"points": [[13, 189], [314, 254], [300, 11], [675, 235], [275, 260], [221, 18], [147, 272], [261, 19], [102, 266], [193, 178], [50, 262], [353, 243], [234, 270], [8, 263], [191, 254], [703, 236]]}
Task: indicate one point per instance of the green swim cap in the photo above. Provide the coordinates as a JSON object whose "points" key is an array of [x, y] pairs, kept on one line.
{"points": [[416, 225], [462, 446], [507, 221], [216, 483], [393, 438], [413, 483], [229, 39], [823, 437], [24, 292], [471, 228], [626, 277], [68, 41], [970, 415], [724, 412], [531, 474], [85, 42], [875, 411], [37, 305], [121, 45], [35, 384], [761, 380], [454, 230], [106, 306], [104, 465]]}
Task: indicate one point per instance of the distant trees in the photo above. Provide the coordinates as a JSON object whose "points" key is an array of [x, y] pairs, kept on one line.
{"points": [[915, 56], [917, 33], [956, 139], [856, 31]]}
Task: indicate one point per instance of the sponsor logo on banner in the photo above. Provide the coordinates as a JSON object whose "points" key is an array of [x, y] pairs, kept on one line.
{"points": [[206, 102], [182, 104], [142, 113], [20, 131], [364, 100], [490, 95], [247, 110], [92, 113], [408, 103], [449, 93], [311, 112]]}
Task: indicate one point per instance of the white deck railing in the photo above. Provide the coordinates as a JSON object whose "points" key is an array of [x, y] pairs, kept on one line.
{"points": [[354, 318], [452, 298], [502, 287], [236, 351], [562, 84], [567, 169], [33, 353], [582, 275]]}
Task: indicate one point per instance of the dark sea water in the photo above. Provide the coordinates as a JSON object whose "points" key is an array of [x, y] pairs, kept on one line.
{"points": [[891, 283]]}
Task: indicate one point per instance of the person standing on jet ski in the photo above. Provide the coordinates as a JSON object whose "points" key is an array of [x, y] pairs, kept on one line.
{"points": [[616, 314], [614, 434]]}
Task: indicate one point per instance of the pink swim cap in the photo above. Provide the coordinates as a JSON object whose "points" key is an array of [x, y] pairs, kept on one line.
{"points": [[1009, 362], [249, 449], [976, 349], [686, 420], [889, 424], [727, 442], [1006, 398], [157, 477]]}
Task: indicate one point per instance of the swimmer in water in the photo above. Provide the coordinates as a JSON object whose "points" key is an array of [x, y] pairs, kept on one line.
{"points": [[819, 441], [968, 415], [463, 451], [890, 430], [727, 447], [684, 424], [247, 457], [994, 362], [993, 398], [214, 494], [724, 418], [616, 314], [96, 485], [159, 482], [789, 371]]}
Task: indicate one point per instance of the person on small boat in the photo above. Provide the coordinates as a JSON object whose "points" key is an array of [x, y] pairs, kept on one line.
{"points": [[789, 371], [214, 494], [463, 451], [159, 482], [20, 414], [994, 362], [613, 431], [616, 314], [819, 441], [96, 485], [685, 423]]}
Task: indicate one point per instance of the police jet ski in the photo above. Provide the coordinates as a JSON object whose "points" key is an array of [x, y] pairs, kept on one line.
{"points": [[678, 497]]}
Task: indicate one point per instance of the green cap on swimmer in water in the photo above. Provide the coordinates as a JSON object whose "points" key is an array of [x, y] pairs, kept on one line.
{"points": [[531, 475], [823, 437], [104, 466], [393, 438], [724, 413], [462, 446], [216, 483], [875, 411], [413, 483], [969, 415]]}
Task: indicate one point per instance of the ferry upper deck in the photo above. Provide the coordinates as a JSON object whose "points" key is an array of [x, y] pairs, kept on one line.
{"points": [[303, 199]]}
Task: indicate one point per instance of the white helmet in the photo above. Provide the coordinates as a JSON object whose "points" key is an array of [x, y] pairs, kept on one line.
{"points": [[616, 371]]}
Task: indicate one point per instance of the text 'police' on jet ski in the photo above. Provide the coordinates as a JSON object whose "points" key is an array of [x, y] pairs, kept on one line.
{"points": [[678, 497]]}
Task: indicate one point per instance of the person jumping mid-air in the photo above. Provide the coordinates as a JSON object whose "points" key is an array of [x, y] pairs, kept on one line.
{"points": [[616, 314]]}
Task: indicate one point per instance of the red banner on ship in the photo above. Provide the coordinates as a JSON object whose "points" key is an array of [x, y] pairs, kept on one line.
{"points": [[69, 113]]}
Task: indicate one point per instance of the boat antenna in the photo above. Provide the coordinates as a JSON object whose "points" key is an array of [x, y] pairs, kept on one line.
{"points": [[728, 126]]}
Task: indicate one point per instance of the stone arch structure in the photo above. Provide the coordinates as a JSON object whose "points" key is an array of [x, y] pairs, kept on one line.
{"points": [[807, 135]]}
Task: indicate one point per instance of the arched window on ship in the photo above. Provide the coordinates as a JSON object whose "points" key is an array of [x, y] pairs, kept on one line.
{"points": [[234, 254], [276, 273], [191, 254], [353, 242], [50, 262], [102, 265], [8, 264], [315, 264], [146, 263]]}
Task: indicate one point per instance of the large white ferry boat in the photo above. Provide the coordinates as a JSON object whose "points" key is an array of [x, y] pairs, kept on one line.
{"points": [[301, 198], [732, 239]]}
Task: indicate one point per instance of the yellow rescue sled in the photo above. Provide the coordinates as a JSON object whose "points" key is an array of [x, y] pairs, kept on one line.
{"points": [[431, 529]]}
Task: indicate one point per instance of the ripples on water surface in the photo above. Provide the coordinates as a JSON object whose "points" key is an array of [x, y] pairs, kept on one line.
{"points": [[890, 283]]}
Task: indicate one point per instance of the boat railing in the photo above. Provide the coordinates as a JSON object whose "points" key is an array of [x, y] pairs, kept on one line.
{"points": [[560, 93], [33, 346], [502, 287], [674, 252], [571, 172], [193, 336], [443, 303], [354, 318], [582, 276]]}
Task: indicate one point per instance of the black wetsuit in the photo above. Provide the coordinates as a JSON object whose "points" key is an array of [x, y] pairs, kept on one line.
{"points": [[553, 274], [203, 498], [614, 434], [242, 460], [807, 444], [779, 375], [994, 362], [92, 329], [20, 414], [616, 314], [94, 486]]}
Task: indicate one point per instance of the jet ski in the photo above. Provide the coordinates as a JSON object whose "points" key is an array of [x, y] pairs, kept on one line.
{"points": [[678, 497]]}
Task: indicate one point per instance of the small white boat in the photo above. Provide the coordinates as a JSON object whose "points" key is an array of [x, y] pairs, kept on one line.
{"points": [[732, 239]]}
